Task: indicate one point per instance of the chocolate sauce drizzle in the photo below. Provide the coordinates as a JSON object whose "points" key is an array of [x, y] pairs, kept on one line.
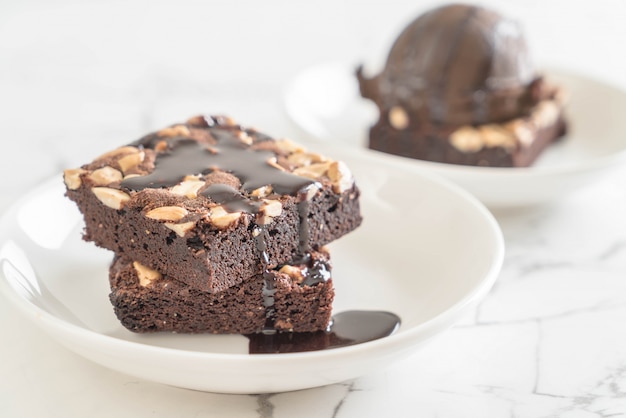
{"points": [[187, 156], [347, 328], [269, 280], [229, 154], [317, 273], [232, 200]]}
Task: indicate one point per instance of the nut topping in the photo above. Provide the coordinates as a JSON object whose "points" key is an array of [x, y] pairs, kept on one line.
{"points": [[112, 198], [221, 218], [311, 191], [71, 177], [294, 273], [262, 191], [188, 188], [313, 171], [145, 274], [130, 161], [340, 175], [288, 146], [269, 210], [176, 130], [105, 176], [546, 114], [225, 120], [398, 118], [244, 137], [180, 229], [198, 120], [160, 146], [522, 131], [118, 152], [497, 136], [305, 158], [299, 159], [167, 213], [272, 161], [467, 139]]}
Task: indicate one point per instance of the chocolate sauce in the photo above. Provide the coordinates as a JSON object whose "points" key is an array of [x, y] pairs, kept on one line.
{"points": [[317, 273], [347, 328], [269, 287], [229, 154], [269, 290], [231, 199]]}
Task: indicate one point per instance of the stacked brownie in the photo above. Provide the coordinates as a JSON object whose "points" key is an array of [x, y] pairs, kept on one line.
{"points": [[217, 228]]}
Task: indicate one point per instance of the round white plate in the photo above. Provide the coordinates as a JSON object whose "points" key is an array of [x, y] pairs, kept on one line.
{"points": [[426, 251], [324, 101]]}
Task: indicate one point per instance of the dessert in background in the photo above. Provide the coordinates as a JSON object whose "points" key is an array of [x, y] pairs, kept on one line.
{"points": [[208, 219], [459, 87]]}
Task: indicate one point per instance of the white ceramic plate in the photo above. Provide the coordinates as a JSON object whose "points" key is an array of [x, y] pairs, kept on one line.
{"points": [[426, 251], [324, 101]]}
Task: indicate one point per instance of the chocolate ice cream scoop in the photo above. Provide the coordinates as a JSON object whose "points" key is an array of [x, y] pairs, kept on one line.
{"points": [[457, 65]]}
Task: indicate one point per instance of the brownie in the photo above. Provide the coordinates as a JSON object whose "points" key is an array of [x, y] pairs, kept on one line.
{"points": [[213, 203], [516, 143], [459, 87], [296, 297]]}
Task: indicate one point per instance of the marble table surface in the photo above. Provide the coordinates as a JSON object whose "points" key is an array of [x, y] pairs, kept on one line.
{"points": [[78, 78]]}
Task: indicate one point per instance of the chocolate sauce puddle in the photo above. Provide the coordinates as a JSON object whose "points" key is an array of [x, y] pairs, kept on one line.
{"points": [[347, 328]]}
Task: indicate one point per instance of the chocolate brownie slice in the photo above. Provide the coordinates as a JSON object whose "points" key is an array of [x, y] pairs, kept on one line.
{"points": [[516, 143], [295, 297], [213, 203]]}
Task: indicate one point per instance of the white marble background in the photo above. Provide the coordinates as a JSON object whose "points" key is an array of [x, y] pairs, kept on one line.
{"points": [[77, 78]]}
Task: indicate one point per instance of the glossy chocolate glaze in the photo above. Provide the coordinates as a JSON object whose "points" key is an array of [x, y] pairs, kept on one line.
{"points": [[229, 154], [317, 273], [269, 286], [455, 65], [347, 328], [232, 200]]}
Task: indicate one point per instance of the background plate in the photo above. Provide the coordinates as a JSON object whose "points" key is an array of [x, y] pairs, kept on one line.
{"points": [[426, 251], [324, 101]]}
